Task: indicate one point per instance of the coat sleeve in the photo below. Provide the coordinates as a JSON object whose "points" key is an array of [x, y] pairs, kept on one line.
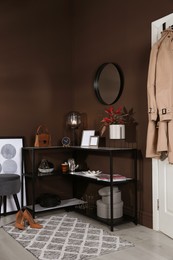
{"points": [[151, 82], [152, 137]]}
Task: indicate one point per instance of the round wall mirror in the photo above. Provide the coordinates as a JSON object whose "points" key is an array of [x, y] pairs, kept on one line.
{"points": [[108, 83]]}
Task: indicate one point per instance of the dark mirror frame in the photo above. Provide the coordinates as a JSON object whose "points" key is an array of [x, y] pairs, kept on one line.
{"points": [[96, 83]]}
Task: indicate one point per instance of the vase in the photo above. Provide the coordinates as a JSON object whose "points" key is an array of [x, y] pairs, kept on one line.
{"points": [[117, 131]]}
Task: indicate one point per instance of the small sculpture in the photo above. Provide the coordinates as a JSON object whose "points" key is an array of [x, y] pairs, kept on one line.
{"points": [[72, 165]]}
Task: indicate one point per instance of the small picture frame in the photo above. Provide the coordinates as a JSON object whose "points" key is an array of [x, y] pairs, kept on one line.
{"points": [[86, 134], [94, 141]]}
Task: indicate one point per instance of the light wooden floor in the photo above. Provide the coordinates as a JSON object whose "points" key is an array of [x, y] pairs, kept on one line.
{"points": [[149, 244]]}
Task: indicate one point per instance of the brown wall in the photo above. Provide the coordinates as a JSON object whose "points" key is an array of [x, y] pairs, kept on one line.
{"points": [[49, 53], [35, 66], [120, 32]]}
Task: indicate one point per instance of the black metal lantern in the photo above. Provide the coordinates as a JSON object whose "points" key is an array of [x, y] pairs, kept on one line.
{"points": [[73, 121]]}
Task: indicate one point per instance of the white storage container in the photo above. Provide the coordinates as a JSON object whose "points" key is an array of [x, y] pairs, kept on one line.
{"points": [[103, 210], [105, 191], [116, 198]]}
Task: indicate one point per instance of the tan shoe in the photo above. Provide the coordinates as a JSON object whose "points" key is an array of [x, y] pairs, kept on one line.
{"points": [[19, 220], [27, 216]]}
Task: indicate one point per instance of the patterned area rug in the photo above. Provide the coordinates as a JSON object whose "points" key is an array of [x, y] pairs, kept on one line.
{"points": [[66, 238]]}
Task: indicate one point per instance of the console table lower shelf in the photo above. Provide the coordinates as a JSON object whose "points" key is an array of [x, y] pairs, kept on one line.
{"points": [[64, 204], [114, 222], [76, 204]]}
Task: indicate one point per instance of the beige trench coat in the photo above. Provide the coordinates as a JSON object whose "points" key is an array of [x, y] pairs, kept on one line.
{"points": [[160, 99]]}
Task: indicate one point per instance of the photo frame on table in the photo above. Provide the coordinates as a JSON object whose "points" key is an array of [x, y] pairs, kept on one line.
{"points": [[94, 141], [11, 162], [86, 134]]}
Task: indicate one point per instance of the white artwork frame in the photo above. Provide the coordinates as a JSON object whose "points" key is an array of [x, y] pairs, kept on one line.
{"points": [[11, 162], [86, 134], [94, 141]]}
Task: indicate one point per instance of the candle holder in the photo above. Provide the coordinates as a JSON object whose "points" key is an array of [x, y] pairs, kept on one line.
{"points": [[73, 121]]}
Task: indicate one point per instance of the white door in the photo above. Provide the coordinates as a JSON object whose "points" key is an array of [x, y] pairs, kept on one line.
{"points": [[162, 173], [165, 195]]}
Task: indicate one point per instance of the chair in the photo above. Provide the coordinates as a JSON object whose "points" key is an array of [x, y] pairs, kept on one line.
{"points": [[9, 185]]}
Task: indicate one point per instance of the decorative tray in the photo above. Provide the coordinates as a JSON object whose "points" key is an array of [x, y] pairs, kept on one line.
{"points": [[92, 173]]}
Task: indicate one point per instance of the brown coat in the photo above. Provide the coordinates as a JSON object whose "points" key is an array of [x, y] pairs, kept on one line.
{"points": [[160, 98]]}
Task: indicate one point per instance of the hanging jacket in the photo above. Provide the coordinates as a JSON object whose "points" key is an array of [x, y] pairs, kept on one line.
{"points": [[160, 98]]}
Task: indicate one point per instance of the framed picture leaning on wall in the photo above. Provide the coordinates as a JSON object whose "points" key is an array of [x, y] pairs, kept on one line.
{"points": [[11, 162], [86, 134], [94, 141]]}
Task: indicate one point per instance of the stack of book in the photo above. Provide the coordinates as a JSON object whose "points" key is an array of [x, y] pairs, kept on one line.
{"points": [[115, 177]]}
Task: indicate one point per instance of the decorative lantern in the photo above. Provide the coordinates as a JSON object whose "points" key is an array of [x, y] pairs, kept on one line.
{"points": [[73, 121]]}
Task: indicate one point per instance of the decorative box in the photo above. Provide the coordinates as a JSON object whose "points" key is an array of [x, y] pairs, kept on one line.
{"points": [[105, 193], [103, 205], [103, 210], [116, 198]]}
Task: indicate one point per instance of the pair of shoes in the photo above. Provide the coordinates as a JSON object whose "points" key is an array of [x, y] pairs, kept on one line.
{"points": [[21, 217], [28, 217]]}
